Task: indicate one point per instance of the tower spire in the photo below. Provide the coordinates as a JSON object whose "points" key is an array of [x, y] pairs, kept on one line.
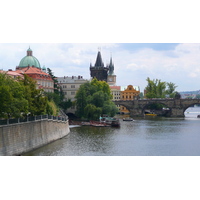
{"points": [[29, 51], [99, 62]]}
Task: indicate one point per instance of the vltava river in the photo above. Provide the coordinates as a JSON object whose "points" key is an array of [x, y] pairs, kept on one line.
{"points": [[152, 136]]}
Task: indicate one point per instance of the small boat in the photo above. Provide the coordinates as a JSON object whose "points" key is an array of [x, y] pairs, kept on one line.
{"points": [[198, 116], [110, 121], [151, 114], [128, 119]]}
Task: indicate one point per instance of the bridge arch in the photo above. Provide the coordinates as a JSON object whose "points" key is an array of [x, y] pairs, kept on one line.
{"points": [[162, 111], [126, 110], [176, 107], [191, 105]]}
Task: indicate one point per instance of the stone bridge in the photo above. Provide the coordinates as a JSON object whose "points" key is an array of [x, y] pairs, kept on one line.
{"points": [[176, 107]]}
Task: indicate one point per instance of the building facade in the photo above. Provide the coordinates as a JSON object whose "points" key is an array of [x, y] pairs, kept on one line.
{"points": [[127, 94], [30, 66], [116, 94], [70, 86]]}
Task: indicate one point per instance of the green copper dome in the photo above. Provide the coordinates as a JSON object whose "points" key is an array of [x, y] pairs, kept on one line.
{"points": [[29, 60]]}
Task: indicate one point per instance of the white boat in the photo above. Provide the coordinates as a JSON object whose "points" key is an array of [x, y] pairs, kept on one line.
{"points": [[128, 119]]}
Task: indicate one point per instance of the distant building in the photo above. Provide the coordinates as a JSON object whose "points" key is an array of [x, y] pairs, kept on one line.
{"points": [[31, 66], [124, 93], [70, 86], [127, 94], [116, 94], [101, 72]]}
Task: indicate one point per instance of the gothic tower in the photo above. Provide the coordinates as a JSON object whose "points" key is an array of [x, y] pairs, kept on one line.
{"points": [[98, 70]]}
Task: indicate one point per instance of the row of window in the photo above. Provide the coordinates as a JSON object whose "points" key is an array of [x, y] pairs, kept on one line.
{"points": [[46, 83], [72, 93], [130, 97], [115, 94], [65, 86]]}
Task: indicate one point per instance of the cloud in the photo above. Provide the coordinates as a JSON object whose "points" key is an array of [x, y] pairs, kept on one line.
{"points": [[132, 47], [177, 63]]}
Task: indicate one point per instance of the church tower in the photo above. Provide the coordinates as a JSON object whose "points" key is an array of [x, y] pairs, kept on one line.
{"points": [[98, 70], [111, 76]]}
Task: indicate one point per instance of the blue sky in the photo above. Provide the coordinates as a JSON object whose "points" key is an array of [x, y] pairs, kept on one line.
{"points": [[134, 62], [144, 41]]}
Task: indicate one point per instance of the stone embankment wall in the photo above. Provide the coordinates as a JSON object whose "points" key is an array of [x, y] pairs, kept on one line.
{"points": [[16, 139]]}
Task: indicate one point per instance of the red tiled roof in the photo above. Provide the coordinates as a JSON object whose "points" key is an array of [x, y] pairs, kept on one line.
{"points": [[115, 87], [13, 73], [33, 71]]}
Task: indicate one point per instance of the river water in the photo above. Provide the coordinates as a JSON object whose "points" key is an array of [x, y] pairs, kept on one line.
{"points": [[148, 136]]}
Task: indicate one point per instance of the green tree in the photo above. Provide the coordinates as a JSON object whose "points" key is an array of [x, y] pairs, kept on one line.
{"points": [[12, 98], [92, 112], [37, 102], [94, 99], [53, 97], [56, 85], [171, 90], [158, 89], [81, 99], [109, 108], [155, 88], [66, 104]]}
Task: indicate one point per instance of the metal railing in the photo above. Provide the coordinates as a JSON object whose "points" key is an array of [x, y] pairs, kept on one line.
{"points": [[32, 118]]}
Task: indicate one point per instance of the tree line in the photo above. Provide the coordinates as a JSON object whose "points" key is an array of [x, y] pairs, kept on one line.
{"points": [[20, 97]]}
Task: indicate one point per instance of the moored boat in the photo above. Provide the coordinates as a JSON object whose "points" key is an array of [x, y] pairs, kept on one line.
{"points": [[114, 122], [128, 119], [151, 114]]}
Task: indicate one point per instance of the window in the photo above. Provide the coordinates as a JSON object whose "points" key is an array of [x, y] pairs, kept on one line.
{"points": [[72, 86], [72, 93]]}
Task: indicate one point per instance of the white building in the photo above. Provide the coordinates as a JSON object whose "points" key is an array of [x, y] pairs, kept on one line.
{"points": [[70, 86]]}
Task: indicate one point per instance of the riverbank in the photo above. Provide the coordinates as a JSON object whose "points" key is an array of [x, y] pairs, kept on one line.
{"points": [[19, 138]]}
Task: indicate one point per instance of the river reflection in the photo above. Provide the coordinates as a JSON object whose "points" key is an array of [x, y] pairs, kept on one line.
{"points": [[143, 137]]}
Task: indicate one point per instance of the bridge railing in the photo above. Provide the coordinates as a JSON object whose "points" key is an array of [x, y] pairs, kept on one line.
{"points": [[32, 118]]}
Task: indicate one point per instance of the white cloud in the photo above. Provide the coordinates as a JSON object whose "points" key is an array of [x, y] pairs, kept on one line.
{"points": [[180, 66]]}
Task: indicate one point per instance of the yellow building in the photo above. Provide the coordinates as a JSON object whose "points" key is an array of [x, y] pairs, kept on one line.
{"points": [[116, 94], [129, 93]]}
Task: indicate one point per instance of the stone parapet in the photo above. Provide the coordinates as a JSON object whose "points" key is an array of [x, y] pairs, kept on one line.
{"points": [[16, 139]]}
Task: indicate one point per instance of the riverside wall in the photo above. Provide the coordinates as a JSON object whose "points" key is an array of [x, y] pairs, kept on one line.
{"points": [[16, 139]]}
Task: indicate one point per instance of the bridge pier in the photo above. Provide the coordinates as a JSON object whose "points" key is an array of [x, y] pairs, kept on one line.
{"points": [[177, 112], [137, 112]]}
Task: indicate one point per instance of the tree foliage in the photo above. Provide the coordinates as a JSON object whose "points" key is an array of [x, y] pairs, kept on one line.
{"points": [[20, 97], [56, 85], [159, 89], [94, 99]]}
